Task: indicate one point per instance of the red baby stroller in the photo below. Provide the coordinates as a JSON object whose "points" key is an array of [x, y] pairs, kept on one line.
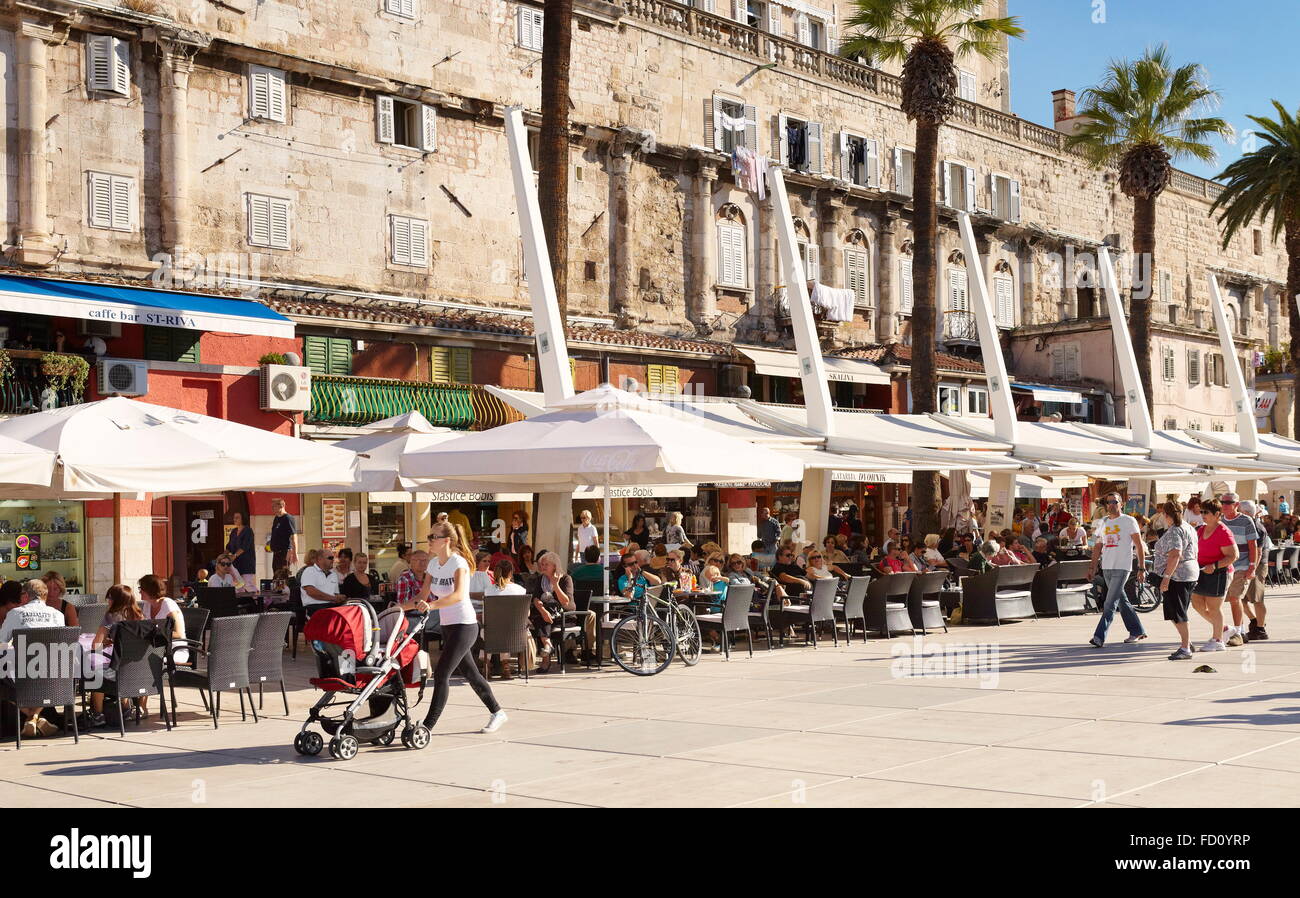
{"points": [[367, 661]]}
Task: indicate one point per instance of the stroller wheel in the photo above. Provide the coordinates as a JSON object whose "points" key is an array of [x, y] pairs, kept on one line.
{"points": [[387, 738], [344, 748], [419, 737], [308, 743]]}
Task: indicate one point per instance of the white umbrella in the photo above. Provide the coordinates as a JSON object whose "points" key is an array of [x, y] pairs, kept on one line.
{"points": [[603, 437], [21, 463], [117, 446], [379, 452]]}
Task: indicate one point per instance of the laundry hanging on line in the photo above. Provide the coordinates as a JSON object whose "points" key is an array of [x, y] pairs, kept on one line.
{"points": [[836, 303]]}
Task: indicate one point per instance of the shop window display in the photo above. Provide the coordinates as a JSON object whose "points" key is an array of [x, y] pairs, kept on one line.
{"points": [[39, 536]]}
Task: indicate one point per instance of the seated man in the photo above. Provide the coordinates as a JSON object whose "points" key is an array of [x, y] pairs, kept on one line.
{"points": [[33, 614], [1042, 553], [591, 568], [896, 562], [1017, 549], [759, 559], [787, 572], [320, 583]]}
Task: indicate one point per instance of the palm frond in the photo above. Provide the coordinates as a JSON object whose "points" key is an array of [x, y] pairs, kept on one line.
{"points": [[1265, 182]]}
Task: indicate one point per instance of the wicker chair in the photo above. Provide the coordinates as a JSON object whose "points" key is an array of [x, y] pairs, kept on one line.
{"points": [[140, 652], [505, 627], [46, 692], [763, 616], [734, 617], [1000, 593], [1061, 587], [853, 608], [821, 609], [886, 605], [923, 602], [266, 660], [227, 652], [91, 617]]}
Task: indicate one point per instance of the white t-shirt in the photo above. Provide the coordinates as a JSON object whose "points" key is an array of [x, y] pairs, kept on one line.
{"points": [[1193, 517], [444, 584], [510, 589], [227, 580], [166, 608], [325, 581], [1116, 535], [587, 536], [481, 581], [30, 616]]}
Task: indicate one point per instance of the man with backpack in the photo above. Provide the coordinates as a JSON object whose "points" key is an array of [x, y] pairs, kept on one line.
{"points": [[1254, 595]]}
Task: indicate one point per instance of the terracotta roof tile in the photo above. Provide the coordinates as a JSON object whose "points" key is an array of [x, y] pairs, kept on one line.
{"points": [[899, 354]]}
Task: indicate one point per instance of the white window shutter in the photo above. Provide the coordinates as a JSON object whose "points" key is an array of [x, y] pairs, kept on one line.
{"points": [[958, 301], [842, 164], [751, 128], [993, 194], [1072, 361], [814, 266], [121, 213], [99, 207], [385, 129], [419, 242], [1058, 361], [1193, 367], [905, 285], [1015, 200], [813, 146], [266, 93], [259, 220], [945, 187], [782, 143], [428, 128], [873, 163], [706, 5], [739, 11], [970, 189], [400, 234], [121, 67], [100, 62], [773, 19], [803, 28], [724, 255], [1004, 291], [855, 276], [279, 223], [713, 122]]}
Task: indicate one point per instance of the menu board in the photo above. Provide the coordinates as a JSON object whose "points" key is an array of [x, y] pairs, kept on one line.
{"points": [[333, 518]]}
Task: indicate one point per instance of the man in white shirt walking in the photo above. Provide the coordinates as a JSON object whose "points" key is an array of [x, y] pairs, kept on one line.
{"points": [[1119, 542]]}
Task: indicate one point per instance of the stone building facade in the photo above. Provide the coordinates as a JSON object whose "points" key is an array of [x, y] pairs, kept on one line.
{"points": [[353, 150]]}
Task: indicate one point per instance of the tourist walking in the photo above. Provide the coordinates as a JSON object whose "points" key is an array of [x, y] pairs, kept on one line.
{"points": [[1253, 599], [284, 537], [446, 588], [769, 531], [1119, 544], [240, 547], [1175, 559], [1246, 534], [1216, 550]]}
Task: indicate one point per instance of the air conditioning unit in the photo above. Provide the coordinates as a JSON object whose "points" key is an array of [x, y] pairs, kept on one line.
{"points": [[108, 330], [285, 388], [122, 377]]}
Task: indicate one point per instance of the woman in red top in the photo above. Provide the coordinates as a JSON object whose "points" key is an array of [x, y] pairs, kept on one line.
{"points": [[1216, 550]]}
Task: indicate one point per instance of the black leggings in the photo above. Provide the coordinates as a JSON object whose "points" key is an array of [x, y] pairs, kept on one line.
{"points": [[458, 657]]}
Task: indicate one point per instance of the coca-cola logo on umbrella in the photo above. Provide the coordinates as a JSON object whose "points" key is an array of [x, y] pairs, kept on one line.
{"points": [[608, 460]]}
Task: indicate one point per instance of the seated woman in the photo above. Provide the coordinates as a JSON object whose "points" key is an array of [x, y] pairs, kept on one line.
{"points": [[554, 590], [711, 580], [896, 562], [738, 570], [1020, 552], [932, 554], [483, 576], [996, 555], [675, 571], [503, 584], [820, 568], [55, 589], [659, 558], [226, 575], [832, 550], [122, 606], [360, 583]]}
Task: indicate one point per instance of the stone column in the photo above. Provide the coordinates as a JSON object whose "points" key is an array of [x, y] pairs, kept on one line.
{"points": [[622, 271], [887, 276], [703, 305], [174, 67], [765, 252], [37, 244], [831, 227]]}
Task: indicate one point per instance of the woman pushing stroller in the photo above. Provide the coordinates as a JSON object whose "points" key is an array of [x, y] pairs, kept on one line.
{"points": [[446, 588]]}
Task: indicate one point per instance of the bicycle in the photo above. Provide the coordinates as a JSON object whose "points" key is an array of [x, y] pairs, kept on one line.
{"points": [[1141, 594], [645, 642]]}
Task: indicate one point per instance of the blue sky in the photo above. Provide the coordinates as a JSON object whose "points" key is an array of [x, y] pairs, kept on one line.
{"points": [[1247, 47]]}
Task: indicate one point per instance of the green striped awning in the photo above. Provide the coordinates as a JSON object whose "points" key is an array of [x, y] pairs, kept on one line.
{"points": [[356, 401]]}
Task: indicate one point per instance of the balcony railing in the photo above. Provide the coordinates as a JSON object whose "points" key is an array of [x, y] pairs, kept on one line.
{"points": [[792, 56], [26, 388], [960, 327], [356, 401]]}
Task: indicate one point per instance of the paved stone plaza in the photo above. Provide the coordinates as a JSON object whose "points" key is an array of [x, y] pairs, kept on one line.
{"points": [[1054, 724]]}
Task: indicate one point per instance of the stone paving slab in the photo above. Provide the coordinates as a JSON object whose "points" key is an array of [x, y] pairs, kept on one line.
{"points": [[1063, 725]]}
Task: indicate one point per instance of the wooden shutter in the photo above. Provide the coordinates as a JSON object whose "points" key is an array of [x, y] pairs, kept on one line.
{"points": [[731, 255], [316, 354], [266, 93], [706, 5], [751, 128], [400, 235], [842, 163], [739, 11], [855, 276], [905, 285], [1072, 361], [1193, 367], [531, 24], [403, 8], [654, 375], [970, 190], [1058, 362], [385, 127], [340, 356], [461, 365], [1004, 293], [781, 144], [170, 344], [814, 266], [259, 220], [713, 122], [440, 365], [428, 128], [773, 19], [873, 163], [803, 28], [1015, 200], [121, 67], [419, 242], [279, 209], [958, 300], [121, 210], [451, 365], [99, 207], [813, 146], [99, 62], [672, 379], [1167, 357], [945, 187]]}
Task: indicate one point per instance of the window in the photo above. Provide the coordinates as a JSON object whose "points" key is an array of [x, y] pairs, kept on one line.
{"points": [[663, 379], [1004, 193], [171, 344], [799, 143], [403, 8], [1193, 424], [1216, 427], [108, 65], [949, 400], [1171, 424], [529, 24], [1193, 367], [406, 124], [268, 221], [1257, 238], [755, 14], [1065, 361], [327, 355], [267, 94], [904, 166], [409, 239], [1004, 298], [856, 266], [729, 124], [1167, 362], [451, 365], [905, 286], [859, 160], [810, 256], [732, 255], [977, 401], [816, 34], [966, 87], [959, 186], [109, 201], [958, 298]]}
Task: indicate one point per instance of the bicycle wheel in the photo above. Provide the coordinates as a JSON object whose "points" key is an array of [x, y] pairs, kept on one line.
{"points": [[688, 636], [1146, 598], [641, 645]]}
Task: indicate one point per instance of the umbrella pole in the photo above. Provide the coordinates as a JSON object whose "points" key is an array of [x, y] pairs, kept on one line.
{"points": [[117, 538], [604, 547]]}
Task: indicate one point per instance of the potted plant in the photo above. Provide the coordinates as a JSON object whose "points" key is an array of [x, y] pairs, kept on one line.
{"points": [[273, 358], [62, 371]]}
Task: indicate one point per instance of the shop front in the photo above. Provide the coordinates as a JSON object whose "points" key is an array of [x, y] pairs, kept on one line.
{"points": [[37, 536]]}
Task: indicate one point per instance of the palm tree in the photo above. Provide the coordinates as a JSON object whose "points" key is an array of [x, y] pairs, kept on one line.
{"points": [[553, 142], [1266, 182], [1141, 118], [928, 36]]}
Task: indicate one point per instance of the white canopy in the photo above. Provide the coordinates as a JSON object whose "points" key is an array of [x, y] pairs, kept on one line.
{"points": [[784, 363], [1027, 486], [125, 446], [379, 453], [22, 463]]}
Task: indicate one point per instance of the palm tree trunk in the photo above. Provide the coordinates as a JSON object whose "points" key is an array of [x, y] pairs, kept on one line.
{"points": [[553, 161], [1144, 267], [924, 501], [1292, 230]]}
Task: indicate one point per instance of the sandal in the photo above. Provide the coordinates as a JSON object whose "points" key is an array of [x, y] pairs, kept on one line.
{"points": [[544, 661]]}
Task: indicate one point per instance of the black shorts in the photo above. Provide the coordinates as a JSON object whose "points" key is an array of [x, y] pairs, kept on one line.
{"points": [[1177, 598], [1214, 586]]}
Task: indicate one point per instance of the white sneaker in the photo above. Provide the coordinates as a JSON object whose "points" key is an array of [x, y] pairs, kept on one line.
{"points": [[1214, 646], [494, 722]]}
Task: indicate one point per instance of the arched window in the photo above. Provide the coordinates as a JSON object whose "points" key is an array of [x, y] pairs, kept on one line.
{"points": [[1004, 294], [857, 268], [733, 248], [809, 251]]}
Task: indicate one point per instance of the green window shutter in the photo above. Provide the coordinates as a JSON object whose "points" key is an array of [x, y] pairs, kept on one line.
{"points": [[440, 365], [340, 355], [315, 351], [462, 371], [169, 344]]}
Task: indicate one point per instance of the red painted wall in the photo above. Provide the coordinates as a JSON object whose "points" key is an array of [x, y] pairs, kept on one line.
{"points": [[511, 370], [401, 361]]}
